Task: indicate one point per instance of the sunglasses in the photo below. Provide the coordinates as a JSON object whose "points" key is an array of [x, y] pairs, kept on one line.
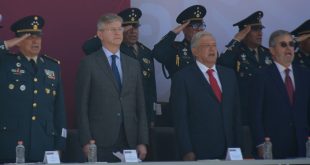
{"points": [[198, 26], [284, 44]]}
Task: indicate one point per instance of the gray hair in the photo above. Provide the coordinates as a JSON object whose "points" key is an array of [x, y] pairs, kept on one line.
{"points": [[276, 34], [107, 19], [198, 36]]}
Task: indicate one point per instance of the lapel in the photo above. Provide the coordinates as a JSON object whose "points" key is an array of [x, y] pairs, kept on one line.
{"points": [[200, 76], [298, 79], [224, 83], [103, 63], [125, 70], [277, 79]]}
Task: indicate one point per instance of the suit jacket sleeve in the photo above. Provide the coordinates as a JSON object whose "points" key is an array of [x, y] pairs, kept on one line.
{"points": [[141, 111], [256, 108], [83, 83], [60, 116], [179, 107]]}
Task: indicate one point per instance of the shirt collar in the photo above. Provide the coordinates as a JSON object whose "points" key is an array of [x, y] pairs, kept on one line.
{"points": [[35, 58], [109, 54], [281, 68], [204, 68]]}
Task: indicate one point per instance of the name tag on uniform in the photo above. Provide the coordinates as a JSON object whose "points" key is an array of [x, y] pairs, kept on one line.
{"points": [[51, 157], [234, 154]]}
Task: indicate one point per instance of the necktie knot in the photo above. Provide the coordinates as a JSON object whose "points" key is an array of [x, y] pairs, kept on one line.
{"points": [[210, 72], [114, 57], [287, 71]]}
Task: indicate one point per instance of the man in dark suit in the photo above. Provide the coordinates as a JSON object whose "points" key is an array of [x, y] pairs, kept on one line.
{"points": [[109, 96], [246, 56], [175, 55], [205, 102], [135, 49], [302, 53], [31, 98], [280, 101]]}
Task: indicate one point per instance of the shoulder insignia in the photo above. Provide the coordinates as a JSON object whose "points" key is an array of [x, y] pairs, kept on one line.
{"points": [[52, 59], [143, 46]]}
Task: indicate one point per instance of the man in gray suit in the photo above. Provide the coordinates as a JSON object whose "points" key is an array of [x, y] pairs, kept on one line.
{"points": [[109, 96]]}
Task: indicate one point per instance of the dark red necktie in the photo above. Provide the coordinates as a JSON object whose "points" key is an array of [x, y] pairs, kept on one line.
{"points": [[289, 85], [214, 85]]}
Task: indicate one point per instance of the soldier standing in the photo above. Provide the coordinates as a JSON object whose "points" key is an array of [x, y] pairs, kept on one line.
{"points": [[246, 56], [31, 97], [175, 55], [302, 53]]}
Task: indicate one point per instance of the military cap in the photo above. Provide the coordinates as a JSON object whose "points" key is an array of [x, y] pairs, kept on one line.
{"points": [[31, 24], [130, 16], [193, 13], [91, 45], [252, 20], [304, 28]]}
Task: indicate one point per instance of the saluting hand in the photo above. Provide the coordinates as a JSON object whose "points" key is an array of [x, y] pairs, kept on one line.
{"points": [[179, 28], [14, 41], [241, 35], [302, 37]]}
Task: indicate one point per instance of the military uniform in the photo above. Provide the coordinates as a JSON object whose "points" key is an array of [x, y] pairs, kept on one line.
{"points": [[32, 106], [243, 60], [302, 58], [175, 55], [142, 54]]}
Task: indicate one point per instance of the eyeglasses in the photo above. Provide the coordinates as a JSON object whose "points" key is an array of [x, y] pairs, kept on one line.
{"points": [[257, 28], [284, 44], [198, 26], [114, 30]]}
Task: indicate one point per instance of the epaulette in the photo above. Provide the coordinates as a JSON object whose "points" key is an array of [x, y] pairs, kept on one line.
{"points": [[52, 59], [143, 46], [264, 48]]}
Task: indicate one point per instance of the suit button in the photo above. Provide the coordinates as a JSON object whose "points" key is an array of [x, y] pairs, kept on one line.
{"points": [[35, 79], [34, 105], [4, 128], [33, 118], [118, 114], [35, 91]]}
